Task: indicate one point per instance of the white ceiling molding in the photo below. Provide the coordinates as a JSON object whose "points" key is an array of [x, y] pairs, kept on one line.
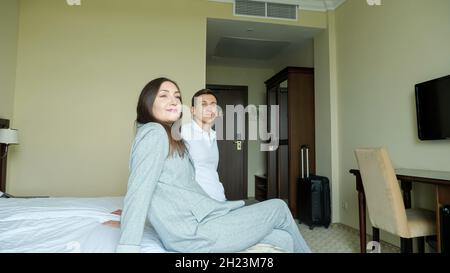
{"points": [[313, 5], [333, 4]]}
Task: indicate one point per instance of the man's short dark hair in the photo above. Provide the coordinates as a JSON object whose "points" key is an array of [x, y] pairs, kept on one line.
{"points": [[202, 92]]}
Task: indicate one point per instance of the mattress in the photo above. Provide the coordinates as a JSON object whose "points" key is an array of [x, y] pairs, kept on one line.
{"points": [[61, 225]]}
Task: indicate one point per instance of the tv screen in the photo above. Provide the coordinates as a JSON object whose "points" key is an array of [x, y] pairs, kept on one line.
{"points": [[433, 109]]}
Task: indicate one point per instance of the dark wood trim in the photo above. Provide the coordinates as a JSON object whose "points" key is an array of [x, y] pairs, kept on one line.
{"points": [[362, 214], [283, 74], [4, 123], [375, 234], [442, 198], [260, 187], [244, 89], [406, 187], [424, 180], [280, 142], [421, 244], [406, 245], [406, 178]]}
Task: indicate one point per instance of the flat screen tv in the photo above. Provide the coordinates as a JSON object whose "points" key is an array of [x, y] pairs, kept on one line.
{"points": [[433, 109]]}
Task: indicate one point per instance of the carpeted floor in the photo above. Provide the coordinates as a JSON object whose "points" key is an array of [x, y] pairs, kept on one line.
{"points": [[337, 238]]}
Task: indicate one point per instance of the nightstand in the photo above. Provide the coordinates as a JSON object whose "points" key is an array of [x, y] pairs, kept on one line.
{"points": [[260, 187]]}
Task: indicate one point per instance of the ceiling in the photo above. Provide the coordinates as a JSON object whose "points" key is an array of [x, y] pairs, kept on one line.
{"points": [[230, 41]]}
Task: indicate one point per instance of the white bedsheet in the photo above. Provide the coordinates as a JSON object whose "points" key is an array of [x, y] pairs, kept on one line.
{"points": [[64, 225], [73, 225]]}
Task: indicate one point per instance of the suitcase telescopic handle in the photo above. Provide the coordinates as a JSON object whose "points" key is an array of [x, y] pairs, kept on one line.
{"points": [[306, 149], [307, 162], [302, 163]]}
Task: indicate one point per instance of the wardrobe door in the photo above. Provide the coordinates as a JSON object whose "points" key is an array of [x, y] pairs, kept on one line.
{"points": [[301, 126], [272, 166], [283, 148], [284, 112], [283, 172]]}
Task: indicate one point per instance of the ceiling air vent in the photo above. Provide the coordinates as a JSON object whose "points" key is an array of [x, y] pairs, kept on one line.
{"points": [[282, 11], [267, 9], [250, 8]]}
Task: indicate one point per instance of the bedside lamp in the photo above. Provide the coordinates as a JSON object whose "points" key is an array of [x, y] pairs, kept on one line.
{"points": [[8, 136]]}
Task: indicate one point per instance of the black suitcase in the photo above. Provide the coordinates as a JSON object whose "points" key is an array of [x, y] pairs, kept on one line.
{"points": [[313, 199]]}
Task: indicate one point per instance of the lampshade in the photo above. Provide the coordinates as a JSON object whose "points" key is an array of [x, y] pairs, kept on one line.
{"points": [[9, 136]]}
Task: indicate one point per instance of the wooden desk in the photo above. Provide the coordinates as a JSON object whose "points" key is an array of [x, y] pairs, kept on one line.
{"points": [[406, 176]]}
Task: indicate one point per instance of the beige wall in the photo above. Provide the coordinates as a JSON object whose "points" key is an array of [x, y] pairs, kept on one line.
{"points": [[254, 79], [80, 71], [381, 53], [9, 16], [295, 56], [327, 152]]}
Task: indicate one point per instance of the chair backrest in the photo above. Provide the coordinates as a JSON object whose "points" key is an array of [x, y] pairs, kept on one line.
{"points": [[382, 191]]}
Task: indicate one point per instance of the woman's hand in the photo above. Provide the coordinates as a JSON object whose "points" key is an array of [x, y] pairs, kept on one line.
{"points": [[114, 224], [117, 212]]}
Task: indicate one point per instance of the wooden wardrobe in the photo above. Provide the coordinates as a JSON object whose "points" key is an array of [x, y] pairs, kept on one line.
{"points": [[292, 89]]}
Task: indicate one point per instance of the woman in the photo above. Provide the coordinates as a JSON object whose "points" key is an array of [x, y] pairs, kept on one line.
{"points": [[201, 143], [162, 188]]}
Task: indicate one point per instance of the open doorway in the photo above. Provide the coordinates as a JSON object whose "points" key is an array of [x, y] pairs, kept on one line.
{"points": [[246, 53]]}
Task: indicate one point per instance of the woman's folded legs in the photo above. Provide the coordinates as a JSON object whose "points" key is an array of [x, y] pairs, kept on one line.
{"points": [[259, 223]]}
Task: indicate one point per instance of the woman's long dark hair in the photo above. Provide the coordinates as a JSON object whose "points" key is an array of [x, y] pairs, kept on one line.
{"points": [[145, 113]]}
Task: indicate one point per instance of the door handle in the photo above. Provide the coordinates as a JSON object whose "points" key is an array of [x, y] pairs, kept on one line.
{"points": [[238, 144]]}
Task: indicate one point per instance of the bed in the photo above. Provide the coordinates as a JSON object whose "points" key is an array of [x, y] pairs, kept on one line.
{"points": [[72, 225]]}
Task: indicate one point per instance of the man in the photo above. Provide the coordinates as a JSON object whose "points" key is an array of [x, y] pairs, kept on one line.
{"points": [[201, 143]]}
